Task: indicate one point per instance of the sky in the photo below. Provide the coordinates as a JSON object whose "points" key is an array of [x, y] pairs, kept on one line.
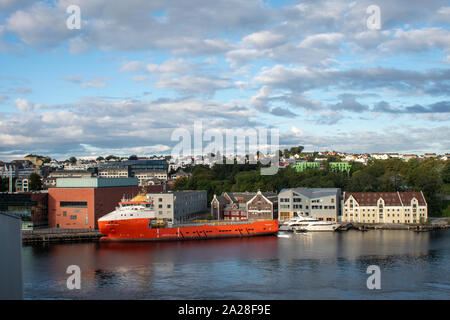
{"points": [[138, 70]]}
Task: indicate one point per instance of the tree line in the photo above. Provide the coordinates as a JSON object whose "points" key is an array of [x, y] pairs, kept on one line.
{"points": [[432, 177]]}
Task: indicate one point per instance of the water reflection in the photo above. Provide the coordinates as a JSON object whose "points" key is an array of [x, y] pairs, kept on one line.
{"points": [[310, 265]]}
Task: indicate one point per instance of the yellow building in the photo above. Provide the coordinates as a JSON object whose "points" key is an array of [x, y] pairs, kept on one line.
{"points": [[34, 159]]}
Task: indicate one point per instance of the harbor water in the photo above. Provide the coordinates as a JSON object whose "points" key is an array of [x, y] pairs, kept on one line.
{"points": [[328, 265]]}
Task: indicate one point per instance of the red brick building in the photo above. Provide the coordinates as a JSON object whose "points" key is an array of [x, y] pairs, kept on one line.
{"points": [[78, 203]]}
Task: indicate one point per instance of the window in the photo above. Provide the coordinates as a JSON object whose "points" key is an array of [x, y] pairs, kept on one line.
{"points": [[64, 213], [73, 204], [73, 217]]}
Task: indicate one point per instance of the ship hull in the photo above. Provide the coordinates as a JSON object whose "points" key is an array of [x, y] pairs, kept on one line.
{"points": [[138, 230]]}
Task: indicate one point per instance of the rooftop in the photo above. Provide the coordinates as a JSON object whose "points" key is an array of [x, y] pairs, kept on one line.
{"points": [[95, 182]]}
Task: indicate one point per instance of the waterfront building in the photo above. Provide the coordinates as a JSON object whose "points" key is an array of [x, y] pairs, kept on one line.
{"points": [[385, 207], [320, 203], [245, 205], [301, 166], [31, 207], [77, 203], [177, 206], [11, 280], [340, 166]]}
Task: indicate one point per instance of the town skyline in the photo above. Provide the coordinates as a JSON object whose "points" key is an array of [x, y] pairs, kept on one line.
{"points": [[116, 157]]}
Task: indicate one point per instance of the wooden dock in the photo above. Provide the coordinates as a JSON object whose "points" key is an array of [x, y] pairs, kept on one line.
{"points": [[60, 235]]}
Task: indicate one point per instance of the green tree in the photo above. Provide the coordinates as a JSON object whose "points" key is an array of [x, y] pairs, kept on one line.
{"points": [[35, 182], [4, 183], [446, 172], [111, 157]]}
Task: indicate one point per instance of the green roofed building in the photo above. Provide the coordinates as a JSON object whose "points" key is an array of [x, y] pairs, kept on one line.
{"points": [[301, 166], [340, 166]]}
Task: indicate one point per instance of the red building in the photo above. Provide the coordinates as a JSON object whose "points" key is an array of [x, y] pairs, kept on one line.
{"points": [[77, 203], [245, 205]]}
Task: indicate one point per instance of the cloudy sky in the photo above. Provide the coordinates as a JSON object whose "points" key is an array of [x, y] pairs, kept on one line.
{"points": [[137, 70]]}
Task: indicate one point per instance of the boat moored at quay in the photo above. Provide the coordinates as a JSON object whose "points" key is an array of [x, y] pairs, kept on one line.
{"points": [[136, 220]]}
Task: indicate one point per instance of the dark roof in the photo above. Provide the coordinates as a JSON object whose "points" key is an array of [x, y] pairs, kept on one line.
{"points": [[243, 197], [390, 198], [408, 196]]}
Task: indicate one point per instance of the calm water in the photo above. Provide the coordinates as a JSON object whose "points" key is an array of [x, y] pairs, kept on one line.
{"points": [[307, 266]]}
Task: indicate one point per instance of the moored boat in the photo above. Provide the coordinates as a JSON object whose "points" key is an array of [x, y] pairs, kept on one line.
{"points": [[318, 226], [296, 223], [136, 220]]}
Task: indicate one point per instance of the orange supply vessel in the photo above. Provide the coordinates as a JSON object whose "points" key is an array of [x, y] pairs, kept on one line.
{"points": [[135, 220]]}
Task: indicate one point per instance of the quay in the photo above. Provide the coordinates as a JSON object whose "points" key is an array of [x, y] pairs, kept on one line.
{"points": [[59, 235], [79, 235], [385, 226]]}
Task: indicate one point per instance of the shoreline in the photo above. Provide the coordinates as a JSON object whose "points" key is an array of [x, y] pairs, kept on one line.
{"points": [[77, 235]]}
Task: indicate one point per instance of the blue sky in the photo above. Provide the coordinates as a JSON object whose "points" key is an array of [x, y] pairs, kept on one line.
{"points": [[139, 70]]}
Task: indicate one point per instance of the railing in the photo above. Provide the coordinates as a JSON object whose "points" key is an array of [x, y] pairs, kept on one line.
{"points": [[215, 223]]}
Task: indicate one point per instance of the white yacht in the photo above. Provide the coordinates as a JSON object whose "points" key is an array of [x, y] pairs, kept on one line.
{"points": [[295, 223], [318, 226]]}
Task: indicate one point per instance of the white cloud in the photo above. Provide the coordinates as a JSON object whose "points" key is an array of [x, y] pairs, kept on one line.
{"points": [[139, 78], [132, 66], [94, 84], [40, 24], [264, 39], [322, 41], [23, 105]]}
